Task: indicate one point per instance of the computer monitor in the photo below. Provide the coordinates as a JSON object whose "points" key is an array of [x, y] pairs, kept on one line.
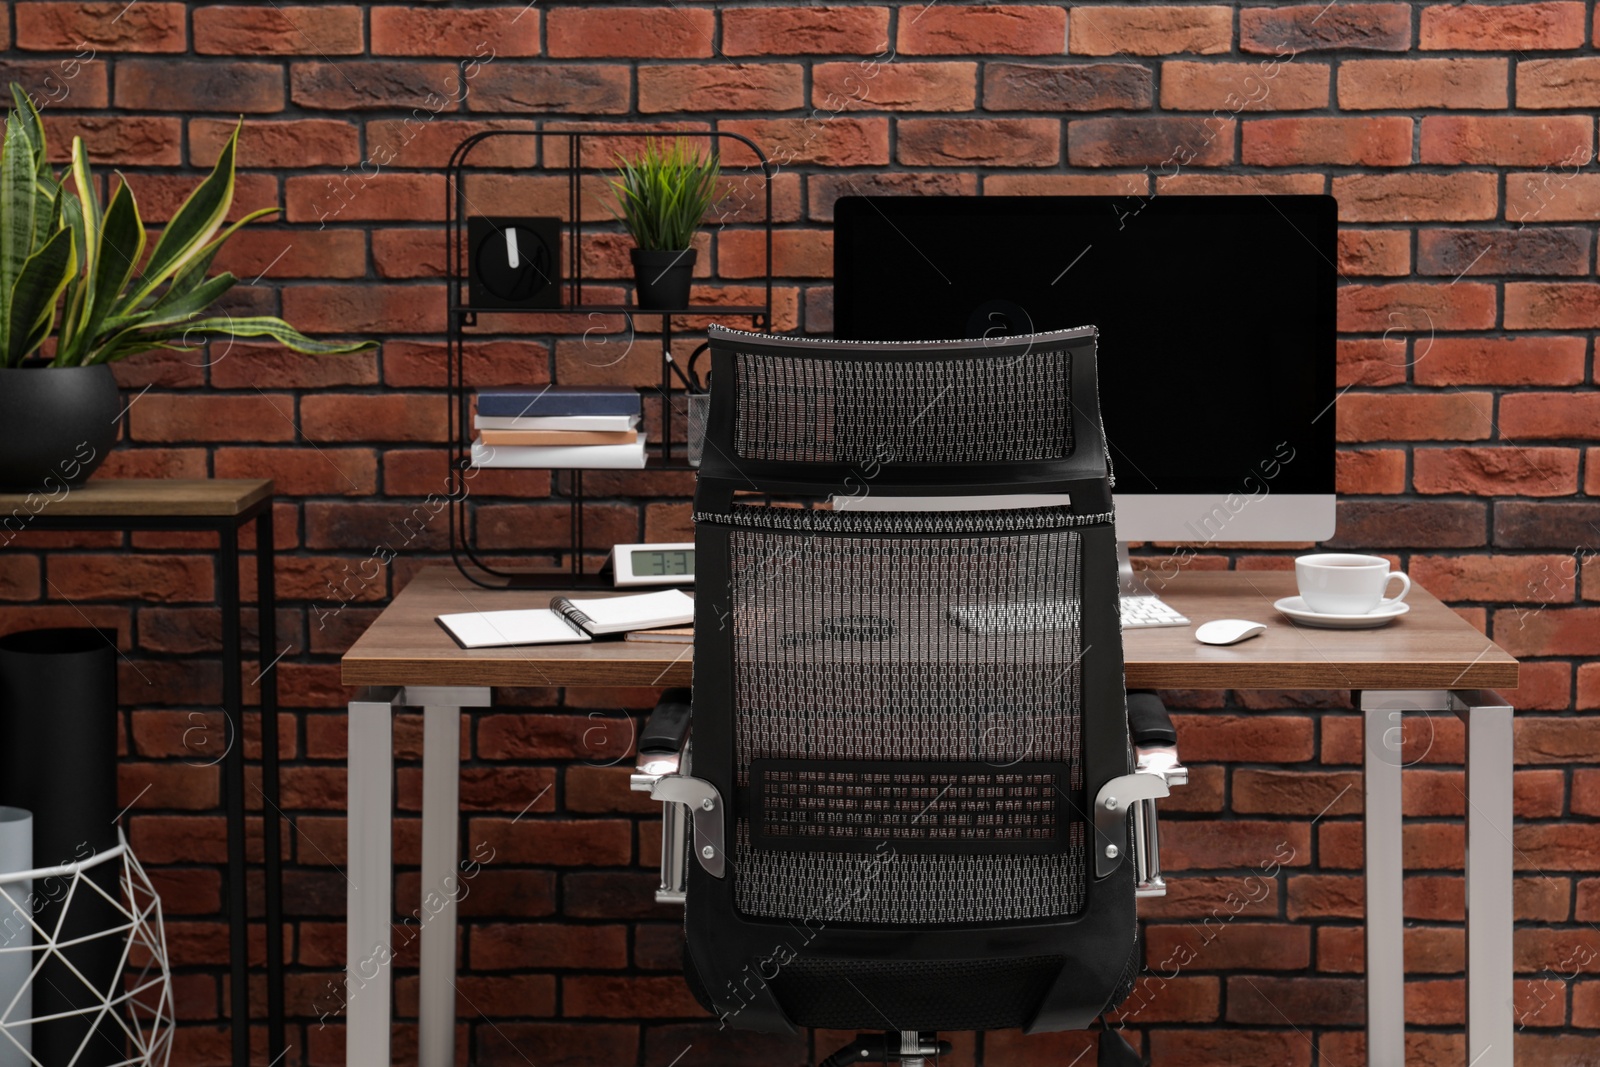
{"points": [[1216, 318]]}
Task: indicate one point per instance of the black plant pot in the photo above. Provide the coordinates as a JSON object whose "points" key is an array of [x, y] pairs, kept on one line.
{"points": [[58, 759], [663, 278], [57, 425]]}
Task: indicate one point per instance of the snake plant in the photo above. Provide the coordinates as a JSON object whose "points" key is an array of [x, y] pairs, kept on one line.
{"points": [[79, 270], [664, 194]]}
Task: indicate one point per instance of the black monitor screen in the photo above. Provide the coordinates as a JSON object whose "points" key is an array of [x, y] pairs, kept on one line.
{"points": [[1216, 314]]}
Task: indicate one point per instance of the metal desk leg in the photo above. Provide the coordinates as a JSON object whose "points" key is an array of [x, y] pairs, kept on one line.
{"points": [[370, 874], [1385, 877], [233, 791], [1490, 911], [441, 854], [271, 812]]}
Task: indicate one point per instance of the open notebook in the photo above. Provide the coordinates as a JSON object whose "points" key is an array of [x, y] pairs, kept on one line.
{"points": [[568, 621]]}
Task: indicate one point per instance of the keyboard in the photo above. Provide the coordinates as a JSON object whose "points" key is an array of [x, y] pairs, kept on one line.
{"points": [[1145, 612]]}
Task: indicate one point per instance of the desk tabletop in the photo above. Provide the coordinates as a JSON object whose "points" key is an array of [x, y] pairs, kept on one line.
{"points": [[145, 497], [1430, 647]]}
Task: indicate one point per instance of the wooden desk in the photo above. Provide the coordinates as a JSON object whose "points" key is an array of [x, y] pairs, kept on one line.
{"points": [[220, 506], [1430, 647], [1429, 660]]}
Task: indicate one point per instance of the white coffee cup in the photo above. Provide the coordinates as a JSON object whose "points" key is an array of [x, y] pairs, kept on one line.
{"points": [[1340, 583]]}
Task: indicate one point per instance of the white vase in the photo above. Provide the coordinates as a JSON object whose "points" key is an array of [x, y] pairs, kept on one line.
{"points": [[16, 937]]}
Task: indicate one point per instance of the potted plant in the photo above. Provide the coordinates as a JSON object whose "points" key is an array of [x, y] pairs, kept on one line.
{"points": [[77, 273], [662, 197]]}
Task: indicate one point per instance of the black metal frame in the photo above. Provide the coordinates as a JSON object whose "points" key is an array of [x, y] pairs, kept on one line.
{"points": [[725, 947], [462, 316], [228, 529]]}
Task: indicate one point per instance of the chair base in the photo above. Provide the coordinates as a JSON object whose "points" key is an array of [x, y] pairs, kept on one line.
{"points": [[908, 1048]]}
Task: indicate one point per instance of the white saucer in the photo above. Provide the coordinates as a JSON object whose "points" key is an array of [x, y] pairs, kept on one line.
{"points": [[1296, 609]]}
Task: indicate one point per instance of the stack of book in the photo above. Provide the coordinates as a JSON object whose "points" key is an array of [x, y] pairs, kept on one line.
{"points": [[554, 427]]}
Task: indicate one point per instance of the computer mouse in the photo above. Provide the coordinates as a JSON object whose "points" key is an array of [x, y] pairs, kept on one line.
{"points": [[1227, 631]]}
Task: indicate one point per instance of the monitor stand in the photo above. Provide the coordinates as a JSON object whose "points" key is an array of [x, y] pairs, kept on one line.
{"points": [[1129, 582]]}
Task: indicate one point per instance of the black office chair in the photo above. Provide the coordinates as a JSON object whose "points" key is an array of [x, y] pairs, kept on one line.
{"points": [[914, 800]]}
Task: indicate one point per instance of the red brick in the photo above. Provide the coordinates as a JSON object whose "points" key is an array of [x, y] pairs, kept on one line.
{"points": [[1372, 142], [990, 142], [655, 33], [1282, 739], [1553, 195], [423, 88], [108, 27], [1458, 197], [303, 472], [1550, 415], [1374, 253], [1203, 184], [1504, 140], [381, 417], [829, 141], [1394, 84], [1307, 1001], [184, 86], [1296, 792], [721, 87], [1549, 632], [515, 946], [348, 311], [1510, 471], [1150, 31], [1416, 417], [558, 842], [1211, 845], [482, 34], [176, 417], [1370, 471], [257, 252], [125, 139], [1234, 945], [406, 143], [1230, 1045], [1289, 31], [1161, 998], [358, 197], [1526, 250], [1589, 685], [396, 527], [67, 83], [295, 143], [1525, 579], [1502, 361], [1559, 83], [1188, 86], [1552, 305], [1502, 27], [985, 29], [626, 997], [1066, 184], [795, 253], [226, 30], [167, 579], [900, 86], [808, 31], [1416, 308], [1170, 142]]}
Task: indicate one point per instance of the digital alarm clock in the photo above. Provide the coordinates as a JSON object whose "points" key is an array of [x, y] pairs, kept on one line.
{"points": [[662, 564]]}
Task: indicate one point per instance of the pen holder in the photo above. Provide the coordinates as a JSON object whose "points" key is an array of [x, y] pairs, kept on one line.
{"points": [[698, 408]]}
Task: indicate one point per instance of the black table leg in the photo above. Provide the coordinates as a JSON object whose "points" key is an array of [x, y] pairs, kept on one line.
{"points": [[271, 812], [233, 790]]}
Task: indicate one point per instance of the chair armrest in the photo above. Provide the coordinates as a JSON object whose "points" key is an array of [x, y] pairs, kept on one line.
{"points": [[1148, 721], [661, 742]]}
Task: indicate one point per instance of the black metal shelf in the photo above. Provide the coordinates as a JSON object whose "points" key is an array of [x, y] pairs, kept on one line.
{"points": [[460, 317]]}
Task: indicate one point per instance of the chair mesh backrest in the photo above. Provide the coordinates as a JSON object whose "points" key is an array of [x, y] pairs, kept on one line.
{"points": [[885, 695], [802, 409]]}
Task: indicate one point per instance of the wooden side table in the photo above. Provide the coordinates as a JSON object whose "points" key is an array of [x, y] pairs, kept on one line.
{"points": [[223, 507]]}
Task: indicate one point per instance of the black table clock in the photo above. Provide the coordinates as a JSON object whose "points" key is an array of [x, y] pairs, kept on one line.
{"points": [[513, 262]]}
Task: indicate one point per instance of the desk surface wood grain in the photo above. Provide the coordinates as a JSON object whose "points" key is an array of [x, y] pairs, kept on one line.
{"points": [[1431, 647], [143, 497]]}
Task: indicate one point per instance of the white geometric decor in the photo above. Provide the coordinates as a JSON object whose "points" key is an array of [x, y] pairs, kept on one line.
{"points": [[140, 996]]}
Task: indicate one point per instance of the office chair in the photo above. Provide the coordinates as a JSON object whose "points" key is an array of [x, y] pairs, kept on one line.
{"points": [[920, 797]]}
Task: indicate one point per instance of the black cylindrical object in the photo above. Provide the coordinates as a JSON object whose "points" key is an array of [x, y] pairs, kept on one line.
{"points": [[58, 759]]}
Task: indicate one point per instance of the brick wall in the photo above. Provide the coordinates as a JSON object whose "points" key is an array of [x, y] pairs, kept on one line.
{"points": [[1460, 142]]}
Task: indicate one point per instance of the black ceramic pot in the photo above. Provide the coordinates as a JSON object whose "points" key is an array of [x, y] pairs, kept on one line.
{"points": [[663, 278], [56, 425]]}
